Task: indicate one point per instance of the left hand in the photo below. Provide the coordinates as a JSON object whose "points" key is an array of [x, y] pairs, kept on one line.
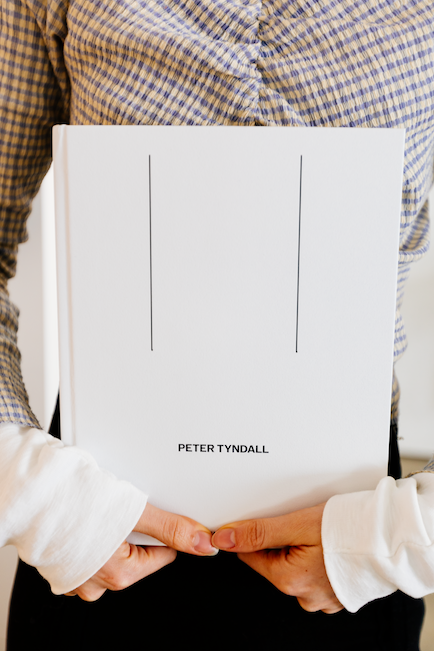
{"points": [[131, 563], [297, 568]]}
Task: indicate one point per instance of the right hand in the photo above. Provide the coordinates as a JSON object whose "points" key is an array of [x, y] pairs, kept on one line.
{"points": [[130, 563]]}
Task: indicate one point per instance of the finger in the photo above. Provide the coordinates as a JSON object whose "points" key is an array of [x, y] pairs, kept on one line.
{"points": [[321, 602], [129, 565], [292, 577], [268, 564], [297, 528], [90, 592], [332, 611], [136, 564], [176, 531]]}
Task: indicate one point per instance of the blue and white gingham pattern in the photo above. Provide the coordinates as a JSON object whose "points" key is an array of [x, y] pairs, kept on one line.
{"points": [[341, 63]]}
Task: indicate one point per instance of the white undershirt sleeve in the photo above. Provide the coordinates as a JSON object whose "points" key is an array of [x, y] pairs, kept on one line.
{"points": [[376, 542], [64, 514]]}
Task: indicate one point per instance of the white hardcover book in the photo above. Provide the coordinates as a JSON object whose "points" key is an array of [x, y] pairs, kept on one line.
{"points": [[227, 309]]}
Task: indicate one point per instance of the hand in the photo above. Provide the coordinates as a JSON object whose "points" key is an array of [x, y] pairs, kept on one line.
{"points": [[130, 563], [297, 568]]}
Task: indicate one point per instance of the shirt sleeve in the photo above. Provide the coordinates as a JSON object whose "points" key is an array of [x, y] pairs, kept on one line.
{"points": [[376, 542], [34, 95], [65, 515]]}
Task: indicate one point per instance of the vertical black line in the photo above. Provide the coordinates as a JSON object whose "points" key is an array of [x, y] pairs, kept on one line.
{"points": [[298, 262], [150, 253]]}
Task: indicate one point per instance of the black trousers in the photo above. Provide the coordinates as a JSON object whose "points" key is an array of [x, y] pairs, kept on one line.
{"points": [[210, 602]]}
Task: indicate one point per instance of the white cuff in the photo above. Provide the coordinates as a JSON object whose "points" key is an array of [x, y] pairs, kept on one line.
{"points": [[376, 542], [65, 515]]}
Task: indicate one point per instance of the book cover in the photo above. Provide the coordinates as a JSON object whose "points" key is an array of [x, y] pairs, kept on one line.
{"points": [[227, 309]]}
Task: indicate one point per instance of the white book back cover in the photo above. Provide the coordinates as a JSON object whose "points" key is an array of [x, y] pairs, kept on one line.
{"points": [[227, 309]]}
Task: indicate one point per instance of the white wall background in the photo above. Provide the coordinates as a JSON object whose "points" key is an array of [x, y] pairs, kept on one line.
{"points": [[33, 290]]}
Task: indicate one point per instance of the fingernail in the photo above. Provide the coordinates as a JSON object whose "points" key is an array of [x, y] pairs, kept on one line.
{"points": [[224, 539], [202, 543]]}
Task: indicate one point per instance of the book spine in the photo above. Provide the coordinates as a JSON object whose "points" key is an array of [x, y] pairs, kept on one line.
{"points": [[61, 202]]}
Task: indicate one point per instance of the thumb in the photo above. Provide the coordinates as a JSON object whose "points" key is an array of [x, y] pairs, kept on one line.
{"points": [[176, 531], [292, 530]]}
